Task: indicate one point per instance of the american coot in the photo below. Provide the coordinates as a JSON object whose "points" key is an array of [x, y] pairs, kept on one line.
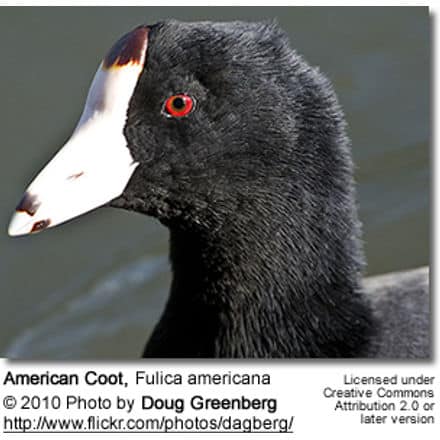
{"points": [[238, 146]]}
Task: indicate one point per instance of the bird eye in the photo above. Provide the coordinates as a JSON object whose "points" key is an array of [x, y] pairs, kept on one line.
{"points": [[177, 106]]}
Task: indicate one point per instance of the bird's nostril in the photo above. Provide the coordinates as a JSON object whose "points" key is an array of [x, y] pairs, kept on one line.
{"points": [[28, 204], [75, 176]]}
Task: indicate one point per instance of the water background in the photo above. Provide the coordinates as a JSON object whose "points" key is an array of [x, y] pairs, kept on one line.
{"points": [[94, 287]]}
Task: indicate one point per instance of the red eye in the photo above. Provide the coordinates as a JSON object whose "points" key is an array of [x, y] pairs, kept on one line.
{"points": [[178, 105]]}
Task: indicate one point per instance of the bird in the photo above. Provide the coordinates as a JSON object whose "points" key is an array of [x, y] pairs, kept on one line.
{"points": [[227, 136]]}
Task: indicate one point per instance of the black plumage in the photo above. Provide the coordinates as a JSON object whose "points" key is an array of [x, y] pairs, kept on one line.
{"points": [[256, 187]]}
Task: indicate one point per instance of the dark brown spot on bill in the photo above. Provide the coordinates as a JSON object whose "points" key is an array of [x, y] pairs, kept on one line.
{"points": [[39, 226], [128, 49], [28, 204]]}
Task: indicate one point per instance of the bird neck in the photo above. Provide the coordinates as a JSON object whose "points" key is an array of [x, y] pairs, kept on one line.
{"points": [[249, 294]]}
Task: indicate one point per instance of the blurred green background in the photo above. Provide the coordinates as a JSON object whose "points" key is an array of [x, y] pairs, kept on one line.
{"points": [[95, 287]]}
